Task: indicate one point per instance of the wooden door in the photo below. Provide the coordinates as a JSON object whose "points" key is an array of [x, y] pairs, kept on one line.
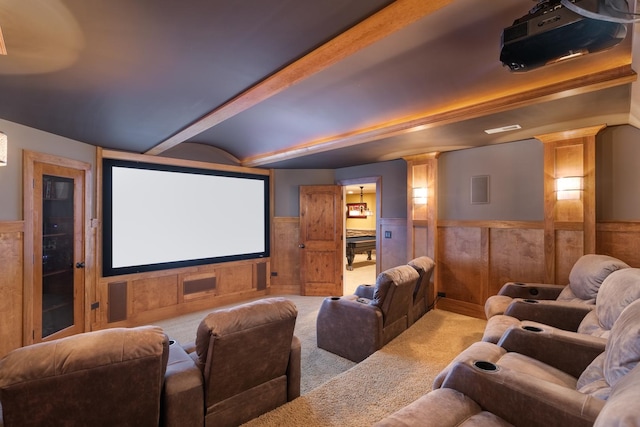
{"points": [[321, 245], [55, 284]]}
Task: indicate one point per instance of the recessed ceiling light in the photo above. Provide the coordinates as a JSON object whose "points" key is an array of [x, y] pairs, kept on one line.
{"points": [[502, 129]]}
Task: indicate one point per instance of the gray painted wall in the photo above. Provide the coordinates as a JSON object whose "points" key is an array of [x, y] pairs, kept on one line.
{"points": [[515, 169], [618, 174], [287, 187], [25, 138], [515, 173], [393, 183]]}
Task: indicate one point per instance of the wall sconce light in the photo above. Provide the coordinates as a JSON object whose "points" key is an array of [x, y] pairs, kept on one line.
{"points": [[420, 195], [568, 188], [3, 149]]}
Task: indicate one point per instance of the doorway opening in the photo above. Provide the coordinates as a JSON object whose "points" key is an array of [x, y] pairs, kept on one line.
{"points": [[362, 206]]}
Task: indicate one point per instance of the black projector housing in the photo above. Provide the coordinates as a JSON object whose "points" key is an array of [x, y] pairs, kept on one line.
{"points": [[550, 32]]}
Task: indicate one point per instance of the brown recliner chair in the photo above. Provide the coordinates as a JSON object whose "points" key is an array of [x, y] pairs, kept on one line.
{"points": [[420, 304], [355, 326], [245, 362], [111, 377], [578, 297], [618, 290], [548, 384]]}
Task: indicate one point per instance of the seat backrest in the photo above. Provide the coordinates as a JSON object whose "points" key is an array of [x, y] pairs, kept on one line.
{"points": [[588, 273], [617, 291], [424, 266], [108, 377], [393, 293], [621, 355], [244, 346]]}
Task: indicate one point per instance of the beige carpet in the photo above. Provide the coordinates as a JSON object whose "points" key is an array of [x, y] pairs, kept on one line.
{"points": [[386, 381], [338, 392]]}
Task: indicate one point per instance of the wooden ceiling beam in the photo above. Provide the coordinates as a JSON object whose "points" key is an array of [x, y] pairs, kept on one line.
{"points": [[392, 18], [547, 92]]}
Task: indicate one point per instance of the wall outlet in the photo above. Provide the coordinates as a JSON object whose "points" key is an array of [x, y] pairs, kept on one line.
{"points": [[387, 234], [442, 294]]}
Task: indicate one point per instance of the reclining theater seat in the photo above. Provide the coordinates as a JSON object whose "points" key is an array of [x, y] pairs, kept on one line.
{"points": [[487, 385], [355, 326], [111, 377], [618, 290], [424, 266], [246, 362], [585, 279]]}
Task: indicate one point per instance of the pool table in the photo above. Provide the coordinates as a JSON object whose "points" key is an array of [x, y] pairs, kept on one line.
{"points": [[359, 245]]}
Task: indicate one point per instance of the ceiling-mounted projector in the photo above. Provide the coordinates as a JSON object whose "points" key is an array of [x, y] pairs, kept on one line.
{"points": [[551, 32]]}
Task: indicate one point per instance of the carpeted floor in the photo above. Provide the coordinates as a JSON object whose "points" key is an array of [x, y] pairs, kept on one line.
{"points": [[338, 392]]}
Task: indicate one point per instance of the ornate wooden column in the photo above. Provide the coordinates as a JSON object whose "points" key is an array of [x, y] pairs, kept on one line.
{"points": [[422, 209], [569, 212]]}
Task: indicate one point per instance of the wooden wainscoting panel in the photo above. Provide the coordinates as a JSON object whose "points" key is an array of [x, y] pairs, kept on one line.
{"points": [[460, 263], [11, 286], [237, 278], [569, 247], [515, 255], [153, 293], [420, 241], [285, 256], [620, 240]]}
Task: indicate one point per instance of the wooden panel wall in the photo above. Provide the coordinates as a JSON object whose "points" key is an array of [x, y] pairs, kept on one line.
{"points": [[159, 295], [619, 239], [285, 262], [11, 285], [475, 258]]}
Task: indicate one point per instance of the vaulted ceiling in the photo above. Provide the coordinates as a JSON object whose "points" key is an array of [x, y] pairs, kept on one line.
{"points": [[294, 84]]}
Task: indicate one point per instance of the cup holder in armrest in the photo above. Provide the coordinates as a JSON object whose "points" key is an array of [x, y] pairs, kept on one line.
{"points": [[534, 291], [485, 366], [334, 298], [518, 284], [172, 342], [531, 301], [532, 328]]}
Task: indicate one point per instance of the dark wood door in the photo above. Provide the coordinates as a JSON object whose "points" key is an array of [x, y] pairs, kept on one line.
{"points": [[55, 280], [321, 245]]}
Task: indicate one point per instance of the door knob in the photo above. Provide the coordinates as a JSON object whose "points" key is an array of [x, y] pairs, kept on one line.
{"points": [[301, 245], [79, 264]]}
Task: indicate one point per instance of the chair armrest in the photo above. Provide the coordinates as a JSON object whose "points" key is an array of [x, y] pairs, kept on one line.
{"points": [[189, 347], [365, 291], [294, 369], [349, 328], [541, 291], [559, 314], [515, 397], [568, 351], [183, 392]]}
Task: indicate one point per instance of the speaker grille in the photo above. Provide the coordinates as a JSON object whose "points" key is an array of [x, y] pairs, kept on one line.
{"points": [[479, 189]]}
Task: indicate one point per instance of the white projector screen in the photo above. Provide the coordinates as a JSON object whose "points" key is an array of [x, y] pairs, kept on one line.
{"points": [[157, 216]]}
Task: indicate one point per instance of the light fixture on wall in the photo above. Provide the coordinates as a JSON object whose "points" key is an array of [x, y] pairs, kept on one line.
{"points": [[569, 187], [364, 209], [3, 149], [420, 195]]}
